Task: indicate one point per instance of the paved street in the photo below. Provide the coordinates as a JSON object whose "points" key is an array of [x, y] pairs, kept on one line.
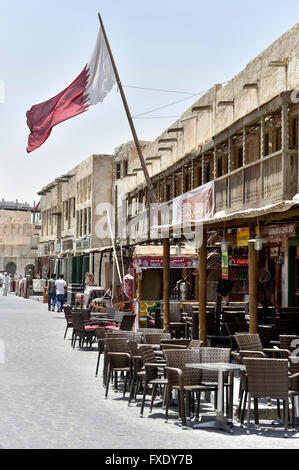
{"points": [[49, 397]]}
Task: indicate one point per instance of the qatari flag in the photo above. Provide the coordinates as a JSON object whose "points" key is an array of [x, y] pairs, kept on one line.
{"points": [[91, 86]]}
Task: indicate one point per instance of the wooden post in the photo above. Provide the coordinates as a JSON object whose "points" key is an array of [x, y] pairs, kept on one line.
{"points": [[203, 289], [166, 283], [252, 278], [284, 145], [139, 275]]}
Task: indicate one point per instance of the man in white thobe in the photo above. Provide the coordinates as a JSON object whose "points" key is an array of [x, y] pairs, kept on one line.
{"points": [[5, 284]]}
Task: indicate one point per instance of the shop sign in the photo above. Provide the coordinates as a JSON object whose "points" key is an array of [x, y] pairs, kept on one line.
{"points": [[274, 252], [224, 256], [274, 233], [157, 262], [243, 236], [238, 261]]}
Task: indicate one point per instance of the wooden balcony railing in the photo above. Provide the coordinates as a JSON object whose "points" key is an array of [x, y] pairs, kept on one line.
{"points": [[265, 181]]}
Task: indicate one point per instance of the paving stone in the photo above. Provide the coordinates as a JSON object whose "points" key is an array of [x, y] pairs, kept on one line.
{"points": [[49, 397]]}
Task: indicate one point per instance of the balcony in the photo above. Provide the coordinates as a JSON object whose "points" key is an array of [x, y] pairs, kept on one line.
{"points": [[266, 181]]}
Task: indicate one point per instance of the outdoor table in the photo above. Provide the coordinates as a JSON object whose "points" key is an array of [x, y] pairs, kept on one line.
{"points": [[221, 368]]}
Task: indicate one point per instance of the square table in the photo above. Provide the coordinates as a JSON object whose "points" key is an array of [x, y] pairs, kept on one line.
{"points": [[221, 368]]}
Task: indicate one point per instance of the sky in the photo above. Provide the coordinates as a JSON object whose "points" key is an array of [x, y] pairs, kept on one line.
{"points": [[164, 44]]}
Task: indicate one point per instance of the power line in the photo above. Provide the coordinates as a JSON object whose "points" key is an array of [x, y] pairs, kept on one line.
{"points": [[174, 102], [158, 117], [165, 106], [159, 89]]}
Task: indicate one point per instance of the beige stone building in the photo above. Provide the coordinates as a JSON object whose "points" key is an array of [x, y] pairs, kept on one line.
{"points": [[69, 242], [19, 235], [242, 138]]}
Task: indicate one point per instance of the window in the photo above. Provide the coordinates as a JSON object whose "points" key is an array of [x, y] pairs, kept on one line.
{"points": [[240, 157], [66, 210], [78, 224], [118, 171], [219, 167], [74, 207], [208, 173], [125, 168], [89, 220], [81, 223], [89, 187], [199, 176], [85, 222], [267, 141]]}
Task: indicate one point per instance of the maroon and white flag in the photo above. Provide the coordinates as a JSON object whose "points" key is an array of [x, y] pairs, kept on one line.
{"points": [[91, 86]]}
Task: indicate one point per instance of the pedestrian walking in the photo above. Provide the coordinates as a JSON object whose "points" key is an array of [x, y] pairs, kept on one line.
{"points": [[5, 284], [60, 291], [51, 291]]}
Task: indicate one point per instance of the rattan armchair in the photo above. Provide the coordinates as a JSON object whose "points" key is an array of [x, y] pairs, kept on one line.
{"points": [[185, 381], [138, 373], [84, 332], [69, 321], [267, 378], [100, 335], [152, 376], [248, 343], [118, 360], [155, 338]]}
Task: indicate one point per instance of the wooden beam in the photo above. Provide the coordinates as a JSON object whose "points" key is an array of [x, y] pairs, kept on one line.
{"points": [[250, 86], [175, 129], [162, 141], [149, 159], [163, 149], [252, 278], [203, 289], [226, 103], [198, 109], [166, 284]]}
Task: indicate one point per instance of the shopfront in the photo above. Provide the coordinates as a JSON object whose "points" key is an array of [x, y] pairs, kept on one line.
{"points": [[148, 278]]}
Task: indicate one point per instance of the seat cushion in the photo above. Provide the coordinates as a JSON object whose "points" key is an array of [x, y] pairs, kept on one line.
{"points": [[90, 327], [111, 327]]}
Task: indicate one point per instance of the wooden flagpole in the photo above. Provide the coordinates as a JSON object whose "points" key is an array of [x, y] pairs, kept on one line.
{"points": [[131, 123], [153, 199]]}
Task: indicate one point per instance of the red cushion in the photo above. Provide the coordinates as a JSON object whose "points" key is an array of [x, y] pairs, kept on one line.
{"points": [[111, 327], [91, 327]]}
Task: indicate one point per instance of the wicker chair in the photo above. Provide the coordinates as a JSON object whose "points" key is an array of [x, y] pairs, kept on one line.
{"points": [[184, 380], [155, 338], [176, 342], [248, 343], [84, 332], [137, 372], [235, 327], [150, 330], [267, 378], [289, 343], [117, 335], [195, 343], [68, 317], [125, 323], [100, 335], [293, 384], [119, 360], [151, 375]]}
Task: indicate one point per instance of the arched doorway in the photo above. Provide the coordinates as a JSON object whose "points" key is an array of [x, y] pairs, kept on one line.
{"points": [[11, 268]]}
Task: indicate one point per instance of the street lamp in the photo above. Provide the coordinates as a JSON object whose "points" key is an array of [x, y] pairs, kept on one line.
{"points": [[258, 242]]}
